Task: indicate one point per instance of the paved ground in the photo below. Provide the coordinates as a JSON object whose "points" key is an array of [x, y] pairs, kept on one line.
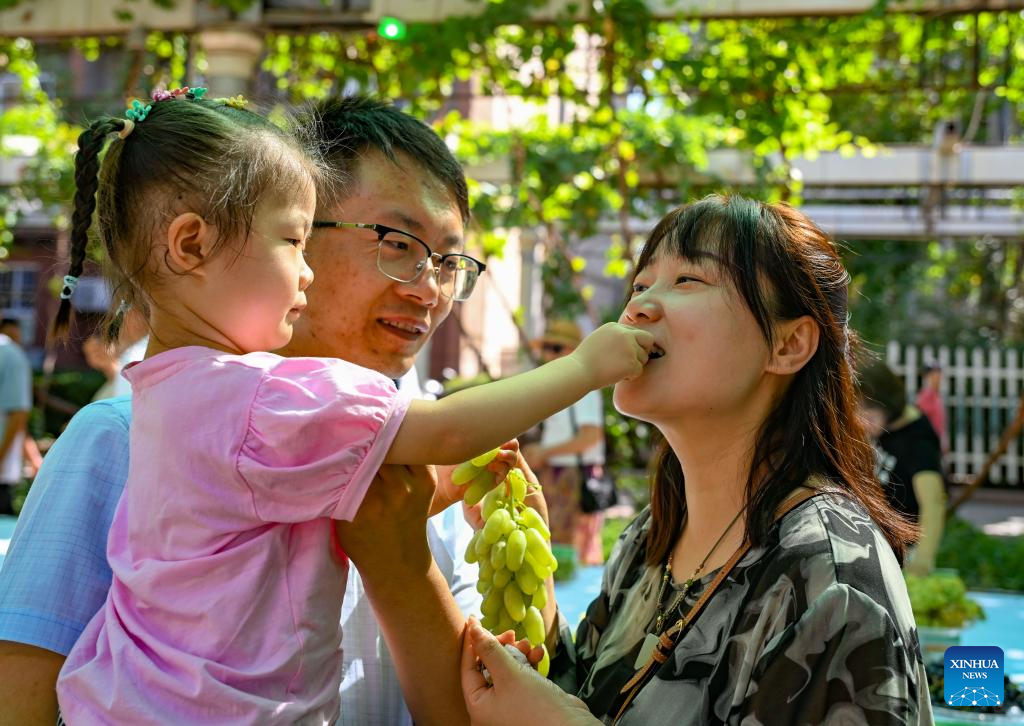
{"points": [[996, 511]]}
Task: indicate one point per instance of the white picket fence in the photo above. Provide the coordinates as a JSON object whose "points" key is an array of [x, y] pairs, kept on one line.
{"points": [[982, 390]]}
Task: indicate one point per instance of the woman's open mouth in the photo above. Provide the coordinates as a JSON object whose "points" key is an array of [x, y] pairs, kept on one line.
{"points": [[656, 352]]}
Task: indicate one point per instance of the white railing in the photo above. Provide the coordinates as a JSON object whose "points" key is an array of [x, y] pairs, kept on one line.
{"points": [[982, 388]]}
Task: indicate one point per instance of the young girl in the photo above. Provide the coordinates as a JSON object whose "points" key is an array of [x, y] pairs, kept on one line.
{"points": [[225, 603]]}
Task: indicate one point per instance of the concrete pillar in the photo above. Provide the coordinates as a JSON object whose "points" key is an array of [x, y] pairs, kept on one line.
{"points": [[232, 55]]}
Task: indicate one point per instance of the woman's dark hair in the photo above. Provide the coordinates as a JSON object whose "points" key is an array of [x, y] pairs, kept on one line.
{"points": [[199, 155], [784, 267], [881, 388]]}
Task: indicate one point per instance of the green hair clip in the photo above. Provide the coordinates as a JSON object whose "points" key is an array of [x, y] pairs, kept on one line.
{"points": [[238, 101], [138, 111]]}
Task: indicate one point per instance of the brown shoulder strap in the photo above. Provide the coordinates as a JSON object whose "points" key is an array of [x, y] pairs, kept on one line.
{"points": [[667, 641]]}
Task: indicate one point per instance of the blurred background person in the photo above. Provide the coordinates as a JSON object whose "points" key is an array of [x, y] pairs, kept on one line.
{"points": [[15, 406], [909, 460], [570, 451], [110, 359], [103, 358], [930, 403]]}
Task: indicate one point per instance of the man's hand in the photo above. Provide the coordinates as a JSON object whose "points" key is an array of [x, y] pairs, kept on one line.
{"points": [[448, 493], [510, 457], [390, 527], [420, 621], [519, 693]]}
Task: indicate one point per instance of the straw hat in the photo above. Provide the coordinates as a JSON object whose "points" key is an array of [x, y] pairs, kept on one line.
{"points": [[560, 332]]}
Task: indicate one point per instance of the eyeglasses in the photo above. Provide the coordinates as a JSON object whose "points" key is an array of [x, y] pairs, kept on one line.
{"points": [[403, 257]]}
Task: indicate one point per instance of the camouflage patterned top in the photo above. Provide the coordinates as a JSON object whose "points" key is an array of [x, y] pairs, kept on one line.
{"points": [[813, 627]]}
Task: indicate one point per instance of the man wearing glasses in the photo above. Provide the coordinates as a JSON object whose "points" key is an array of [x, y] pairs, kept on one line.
{"points": [[403, 257], [389, 260]]}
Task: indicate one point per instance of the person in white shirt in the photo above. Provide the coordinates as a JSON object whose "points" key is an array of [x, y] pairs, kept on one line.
{"points": [[15, 406]]}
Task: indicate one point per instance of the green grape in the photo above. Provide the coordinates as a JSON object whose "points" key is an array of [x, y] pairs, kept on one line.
{"points": [[545, 662], [533, 624], [533, 520], [498, 555], [501, 577], [527, 580], [484, 459], [505, 622], [490, 503], [540, 597], [494, 527], [478, 488], [536, 545], [492, 602], [542, 562], [470, 555], [483, 547], [520, 632], [464, 472], [487, 569], [517, 484], [482, 586], [539, 570], [508, 526], [516, 550], [489, 622], [514, 603]]}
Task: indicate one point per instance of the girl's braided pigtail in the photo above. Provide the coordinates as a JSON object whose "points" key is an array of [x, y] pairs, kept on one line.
{"points": [[87, 166]]}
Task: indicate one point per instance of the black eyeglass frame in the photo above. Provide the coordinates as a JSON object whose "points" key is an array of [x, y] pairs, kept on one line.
{"points": [[382, 229]]}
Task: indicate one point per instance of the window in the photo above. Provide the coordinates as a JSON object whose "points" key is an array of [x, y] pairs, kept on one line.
{"points": [[11, 88], [18, 281]]}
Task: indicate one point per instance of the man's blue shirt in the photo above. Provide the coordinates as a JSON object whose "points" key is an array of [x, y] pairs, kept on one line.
{"points": [[55, 575]]}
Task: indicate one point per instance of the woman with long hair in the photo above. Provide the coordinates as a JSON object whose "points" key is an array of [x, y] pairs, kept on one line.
{"points": [[763, 583]]}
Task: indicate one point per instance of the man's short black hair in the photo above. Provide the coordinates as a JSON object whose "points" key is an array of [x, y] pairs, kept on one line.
{"points": [[344, 128]]}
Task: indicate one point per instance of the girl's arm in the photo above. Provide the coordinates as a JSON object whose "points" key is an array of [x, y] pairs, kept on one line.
{"points": [[467, 423]]}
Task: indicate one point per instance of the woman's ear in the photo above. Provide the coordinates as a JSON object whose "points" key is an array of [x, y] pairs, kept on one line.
{"points": [[189, 243], [796, 342]]}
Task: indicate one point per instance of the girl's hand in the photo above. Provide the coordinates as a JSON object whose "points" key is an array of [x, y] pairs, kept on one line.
{"points": [[519, 693], [612, 353]]}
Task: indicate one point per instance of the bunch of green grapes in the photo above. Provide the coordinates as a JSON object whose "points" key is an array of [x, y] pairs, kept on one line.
{"points": [[512, 552]]}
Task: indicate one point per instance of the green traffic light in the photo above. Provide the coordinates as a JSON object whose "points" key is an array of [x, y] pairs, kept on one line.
{"points": [[391, 28]]}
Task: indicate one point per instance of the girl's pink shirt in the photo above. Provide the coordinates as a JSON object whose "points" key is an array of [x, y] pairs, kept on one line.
{"points": [[225, 605]]}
